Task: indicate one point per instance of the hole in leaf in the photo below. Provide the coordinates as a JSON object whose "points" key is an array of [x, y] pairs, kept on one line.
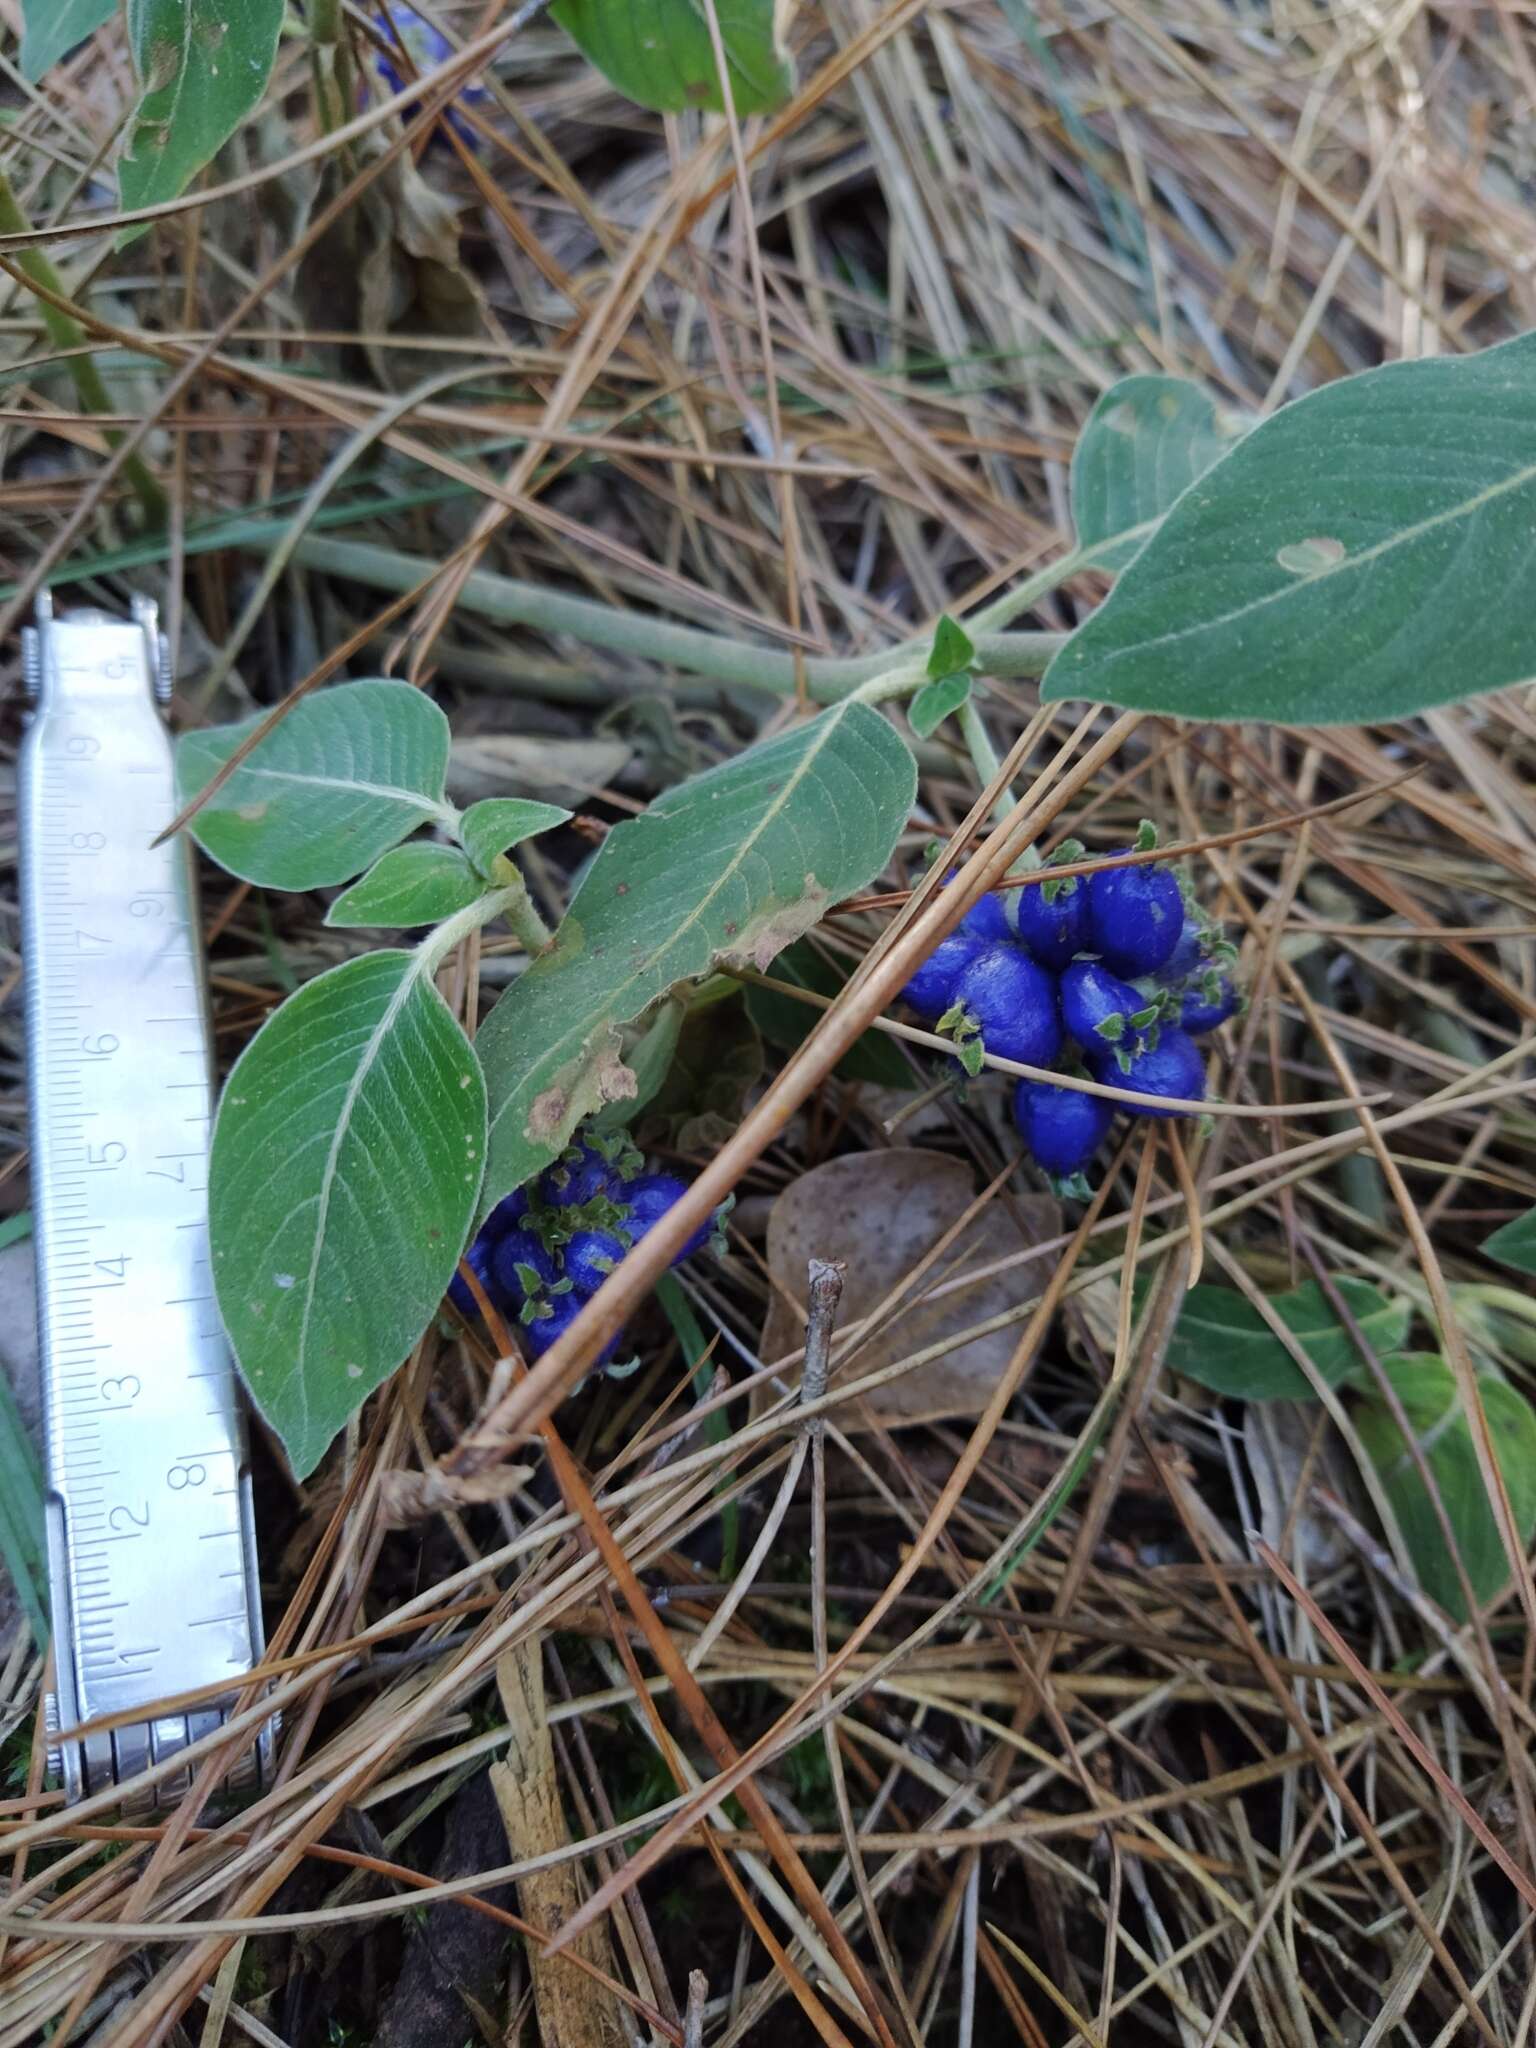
{"points": [[1308, 557]]}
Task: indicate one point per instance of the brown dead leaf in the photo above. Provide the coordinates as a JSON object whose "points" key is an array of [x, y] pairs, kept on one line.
{"points": [[406, 1497], [1277, 1439], [878, 1213], [573, 2010]]}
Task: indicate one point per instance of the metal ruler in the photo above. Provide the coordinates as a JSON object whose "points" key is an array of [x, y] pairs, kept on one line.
{"points": [[151, 1550]]}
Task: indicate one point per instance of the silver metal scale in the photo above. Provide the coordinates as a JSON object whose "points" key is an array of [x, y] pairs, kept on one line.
{"points": [[151, 1549]]}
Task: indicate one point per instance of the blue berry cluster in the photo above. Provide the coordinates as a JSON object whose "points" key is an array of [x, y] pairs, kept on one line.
{"points": [[1115, 968], [550, 1245]]}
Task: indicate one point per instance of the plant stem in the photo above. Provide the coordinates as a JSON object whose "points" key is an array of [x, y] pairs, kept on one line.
{"points": [[510, 902], [66, 334], [893, 672], [984, 757], [331, 65]]}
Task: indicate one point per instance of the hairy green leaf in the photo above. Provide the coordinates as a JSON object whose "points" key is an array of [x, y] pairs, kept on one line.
{"points": [[51, 29], [935, 702], [23, 1529], [952, 649], [1514, 1244], [1361, 555], [1223, 1342], [203, 64], [499, 822], [346, 1162], [1143, 444], [348, 773], [410, 885], [731, 865], [659, 54], [1426, 1387]]}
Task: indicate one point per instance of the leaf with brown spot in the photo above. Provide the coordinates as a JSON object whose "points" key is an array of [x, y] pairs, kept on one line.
{"points": [[734, 863]]}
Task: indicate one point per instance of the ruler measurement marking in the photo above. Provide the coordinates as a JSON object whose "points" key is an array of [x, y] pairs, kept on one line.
{"points": [[102, 1077]]}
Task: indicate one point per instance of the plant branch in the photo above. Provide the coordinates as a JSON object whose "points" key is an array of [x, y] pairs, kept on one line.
{"points": [[892, 672]]}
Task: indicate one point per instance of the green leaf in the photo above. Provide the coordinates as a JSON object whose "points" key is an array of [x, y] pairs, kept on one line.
{"points": [[417, 884], [731, 865], [499, 822], [203, 64], [1223, 1342], [348, 773], [23, 1529], [952, 649], [1426, 1386], [1514, 1244], [346, 1163], [787, 1024], [935, 702], [1144, 443], [1362, 555], [659, 53], [51, 29]]}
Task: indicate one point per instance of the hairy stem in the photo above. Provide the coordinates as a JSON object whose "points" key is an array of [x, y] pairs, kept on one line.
{"points": [[66, 334], [510, 902], [895, 671]]}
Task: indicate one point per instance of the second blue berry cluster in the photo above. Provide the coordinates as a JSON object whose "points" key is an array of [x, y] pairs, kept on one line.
{"points": [[544, 1250], [1114, 970]]}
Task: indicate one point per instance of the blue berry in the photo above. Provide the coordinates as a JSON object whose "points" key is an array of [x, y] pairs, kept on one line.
{"points": [[478, 1260], [1192, 951], [580, 1176], [427, 47], [508, 1212], [555, 1318], [1092, 997], [521, 1248], [1211, 1001], [1135, 917], [932, 989], [1055, 930], [1012, 1002], [590, 1257], [1172, 1067], [1062, 1127], [649, 1198], [987, 920]]}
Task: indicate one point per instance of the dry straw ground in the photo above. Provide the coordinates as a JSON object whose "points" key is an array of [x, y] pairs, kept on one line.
{"points": [[1096, 1768]]}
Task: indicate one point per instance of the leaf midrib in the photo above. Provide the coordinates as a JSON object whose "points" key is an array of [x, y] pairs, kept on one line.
{"points": [[1403, 537], [389, 792], [322, 1197]]}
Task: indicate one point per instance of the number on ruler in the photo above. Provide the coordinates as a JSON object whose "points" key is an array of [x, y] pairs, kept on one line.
{"points": [[125, 1522], [121, 1393], [111, 1153], [82, 746], [184, 1474], [101, 1047]]}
